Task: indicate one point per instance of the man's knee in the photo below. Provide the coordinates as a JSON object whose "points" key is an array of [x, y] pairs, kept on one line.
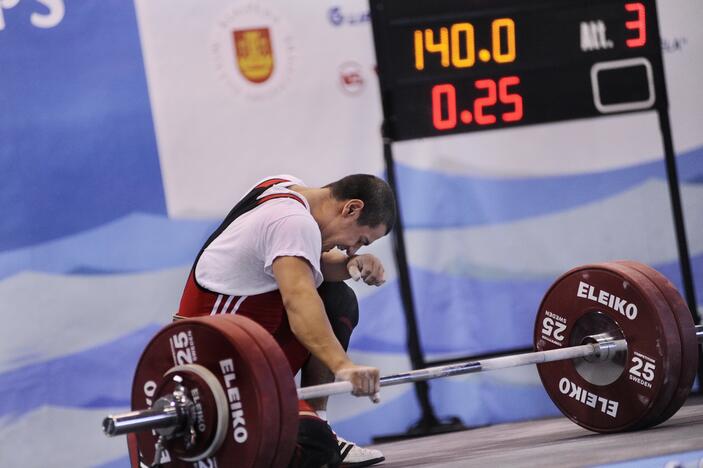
{"points": [[342, 309]]}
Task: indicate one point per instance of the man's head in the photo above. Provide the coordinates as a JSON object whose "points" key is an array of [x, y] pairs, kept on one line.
{"points": [[365, 207]]}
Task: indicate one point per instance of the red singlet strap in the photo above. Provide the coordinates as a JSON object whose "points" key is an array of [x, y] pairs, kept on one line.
{"points": [[270, 182], [280, 195]]}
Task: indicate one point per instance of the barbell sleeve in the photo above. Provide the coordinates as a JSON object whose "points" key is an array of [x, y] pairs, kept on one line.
{"points": [[602, 351], [144, 420]]}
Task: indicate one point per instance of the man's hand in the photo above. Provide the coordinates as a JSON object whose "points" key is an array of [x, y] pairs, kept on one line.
{"points": [[364, 379], [367, 267]]}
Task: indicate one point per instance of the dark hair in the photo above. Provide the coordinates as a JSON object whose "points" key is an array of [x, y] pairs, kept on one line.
{"points": [[378, 198]]}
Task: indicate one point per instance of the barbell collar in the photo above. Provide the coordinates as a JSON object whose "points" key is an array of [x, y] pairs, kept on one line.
{"points": [[602, 351]]}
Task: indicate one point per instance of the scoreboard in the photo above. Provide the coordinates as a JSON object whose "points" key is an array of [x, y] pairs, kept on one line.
{"points": [[451, 66]]}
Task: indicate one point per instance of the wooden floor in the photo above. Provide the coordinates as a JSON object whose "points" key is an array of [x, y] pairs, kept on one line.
{"points": [[550, 442]]}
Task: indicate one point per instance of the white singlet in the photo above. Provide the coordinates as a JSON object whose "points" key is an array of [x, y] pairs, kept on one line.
{"points": [[238, 262]]}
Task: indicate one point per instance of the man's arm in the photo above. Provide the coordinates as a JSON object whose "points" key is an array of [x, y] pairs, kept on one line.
{"points": [[309, 323], [334, 266]]}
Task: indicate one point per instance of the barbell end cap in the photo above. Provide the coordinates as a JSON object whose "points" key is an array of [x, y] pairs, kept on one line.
{"points": [[109, 426]]}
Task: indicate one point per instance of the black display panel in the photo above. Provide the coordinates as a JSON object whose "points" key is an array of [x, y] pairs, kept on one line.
{"points": [[452, 66]]}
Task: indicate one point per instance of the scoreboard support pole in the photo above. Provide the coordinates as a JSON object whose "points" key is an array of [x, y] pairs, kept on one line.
{"points": [[687, 281], [428, 423], [677, 211], [679, 225]]}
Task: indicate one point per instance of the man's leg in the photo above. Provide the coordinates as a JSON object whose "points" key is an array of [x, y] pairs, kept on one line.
{"points": [[316, 444], [343, 312], [316, 373]]}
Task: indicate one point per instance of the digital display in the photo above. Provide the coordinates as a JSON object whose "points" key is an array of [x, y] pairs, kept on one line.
{"points": [[450, 66]]}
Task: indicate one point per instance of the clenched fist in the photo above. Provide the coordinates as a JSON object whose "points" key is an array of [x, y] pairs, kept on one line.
{"points": [[367, 267], [364, 379]]}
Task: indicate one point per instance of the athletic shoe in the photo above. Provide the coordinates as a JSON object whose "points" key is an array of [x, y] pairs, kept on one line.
{"points": [[354, 456]]}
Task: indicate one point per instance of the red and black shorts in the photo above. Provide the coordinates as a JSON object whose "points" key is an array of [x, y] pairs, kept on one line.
{"points": [[268, 311]]}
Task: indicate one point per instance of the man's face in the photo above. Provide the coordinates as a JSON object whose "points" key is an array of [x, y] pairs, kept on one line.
{"points": [[347, 234], [353, 238]]}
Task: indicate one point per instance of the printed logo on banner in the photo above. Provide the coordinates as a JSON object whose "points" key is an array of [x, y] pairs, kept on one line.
{"points": [[253, 51], [339, 17], [351, 78], [49, 16], [675, 44]]}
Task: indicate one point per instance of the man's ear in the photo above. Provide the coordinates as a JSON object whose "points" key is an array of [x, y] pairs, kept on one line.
{"points": [[353, 208]]}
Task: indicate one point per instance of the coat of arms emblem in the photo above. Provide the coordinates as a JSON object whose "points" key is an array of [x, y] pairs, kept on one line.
{"points": [[254, 53]]}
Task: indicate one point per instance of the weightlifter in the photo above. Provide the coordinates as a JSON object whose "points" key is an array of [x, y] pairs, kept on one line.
{"points": [[280, 257]]}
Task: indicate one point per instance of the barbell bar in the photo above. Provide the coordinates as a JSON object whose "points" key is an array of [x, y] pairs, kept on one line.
{"points": [[171, 415], [149, 419], [601, 351]]}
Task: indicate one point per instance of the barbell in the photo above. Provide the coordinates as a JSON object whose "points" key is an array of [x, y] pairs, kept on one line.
{"points": [[615, 347]]}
